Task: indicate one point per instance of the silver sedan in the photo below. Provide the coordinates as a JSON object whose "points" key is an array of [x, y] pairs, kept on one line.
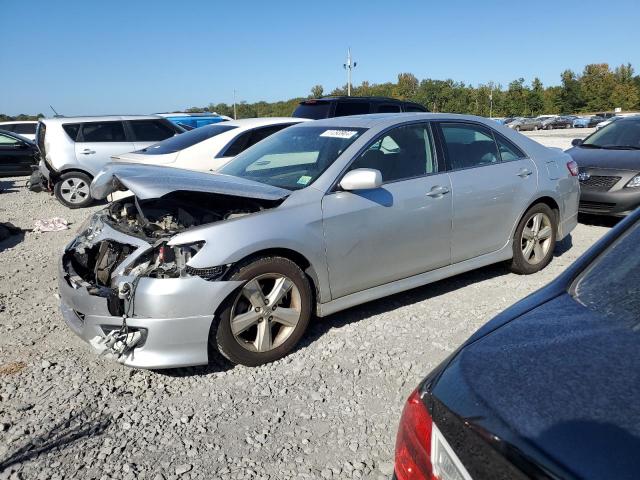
{"points": [[315, 219]]}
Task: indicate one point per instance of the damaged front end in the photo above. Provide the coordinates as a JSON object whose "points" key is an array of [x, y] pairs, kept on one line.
{"points": [[120, 279]]}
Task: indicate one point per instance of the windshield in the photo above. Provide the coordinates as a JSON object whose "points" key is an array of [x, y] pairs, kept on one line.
{"points": [[611, 285], [293, 158], [620, 134], [185, 140]]}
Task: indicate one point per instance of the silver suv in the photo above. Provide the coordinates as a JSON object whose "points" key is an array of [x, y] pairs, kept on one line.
{"points": [[74, 149]]}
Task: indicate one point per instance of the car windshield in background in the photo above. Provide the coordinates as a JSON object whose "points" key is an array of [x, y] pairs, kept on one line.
{"points": [[611, 285], [293, 158], [185, 140], [314, 111], [622, 135]]}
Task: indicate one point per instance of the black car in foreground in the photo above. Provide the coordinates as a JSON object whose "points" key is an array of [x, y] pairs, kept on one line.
{"points": [[17, 154], [329, 107], [609, 168], [550, 388]]}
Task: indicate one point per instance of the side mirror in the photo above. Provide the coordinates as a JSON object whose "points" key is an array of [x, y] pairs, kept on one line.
{"points": [[576, 141], [361, 179]]}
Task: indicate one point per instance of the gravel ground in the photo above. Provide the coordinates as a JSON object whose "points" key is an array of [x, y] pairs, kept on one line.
{"points": [[329, 410]]}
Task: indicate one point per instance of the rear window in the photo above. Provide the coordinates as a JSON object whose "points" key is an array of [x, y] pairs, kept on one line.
{"points": [[187, 139], [72, 130], [103, 132], [344, 109], [312, 110], [25, 128], [388, 108], [150, 130], [611, 285], [414, 108]]}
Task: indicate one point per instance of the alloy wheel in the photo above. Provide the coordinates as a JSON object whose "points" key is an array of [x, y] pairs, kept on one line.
{"points": [[265, 312], [536, 238], [74, 190]]}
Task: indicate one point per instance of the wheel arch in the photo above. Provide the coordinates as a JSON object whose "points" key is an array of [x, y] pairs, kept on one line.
{"points": [[545, 199]]}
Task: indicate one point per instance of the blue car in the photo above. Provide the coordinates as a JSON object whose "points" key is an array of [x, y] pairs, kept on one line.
{"points": [[587, 122], [189, 121]]}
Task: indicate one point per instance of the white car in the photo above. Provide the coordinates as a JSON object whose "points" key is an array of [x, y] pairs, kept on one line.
{"points": [[26, 128], [210, 147]]}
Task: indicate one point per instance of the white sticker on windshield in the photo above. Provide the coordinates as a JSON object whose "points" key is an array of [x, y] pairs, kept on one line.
{"points": [[338, 133]]}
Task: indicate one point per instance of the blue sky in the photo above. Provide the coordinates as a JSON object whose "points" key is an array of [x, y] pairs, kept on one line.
{"points": [[93, 57]]}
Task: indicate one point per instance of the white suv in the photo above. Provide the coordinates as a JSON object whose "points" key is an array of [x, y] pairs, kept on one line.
{"points": [[74, 149]]}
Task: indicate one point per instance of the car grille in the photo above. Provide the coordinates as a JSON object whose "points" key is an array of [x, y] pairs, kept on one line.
{"points": [[597, 182], [596, 206]]}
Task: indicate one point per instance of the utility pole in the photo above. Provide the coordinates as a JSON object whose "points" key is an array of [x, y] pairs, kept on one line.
{"points": [[348, 67], [491, 100], [235, 117]]}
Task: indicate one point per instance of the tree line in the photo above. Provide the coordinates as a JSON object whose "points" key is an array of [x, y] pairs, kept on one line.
{"points": [[597, 88]]}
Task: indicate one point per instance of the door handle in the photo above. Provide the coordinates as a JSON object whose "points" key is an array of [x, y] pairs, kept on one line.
{"points": [[437, 191], [87, 151], [524, 173]]}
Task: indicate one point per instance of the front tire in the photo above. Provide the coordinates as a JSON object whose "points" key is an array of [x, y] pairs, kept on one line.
{"points": [[72, 190], [534, 240], [264, 319]]}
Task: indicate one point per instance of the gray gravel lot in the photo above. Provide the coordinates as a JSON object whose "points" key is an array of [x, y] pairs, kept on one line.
{"points": [[329, 410]]}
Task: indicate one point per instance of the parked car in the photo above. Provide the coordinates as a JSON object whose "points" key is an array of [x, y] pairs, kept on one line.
{"points": [[524, 123], [586, 122], [558, 122], [547, 389], [74, 149], [25, 128], [210, 147], [17, 154], [189, 121], [606, 122], [328, 107], [318, 217], [609, 165]]}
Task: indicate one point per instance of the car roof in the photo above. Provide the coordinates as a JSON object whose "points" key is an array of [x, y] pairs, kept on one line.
{"points": [[261, 122], [383, 120], [355, 99], [17, 121], [98, 118]]}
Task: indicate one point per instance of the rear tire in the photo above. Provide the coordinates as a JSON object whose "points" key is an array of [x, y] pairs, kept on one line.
{"points": [[72, 190], [534, 240], [264, 319]]}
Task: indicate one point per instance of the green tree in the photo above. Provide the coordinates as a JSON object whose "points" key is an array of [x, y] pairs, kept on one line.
{"points": [[535, 100], [597, 84], [571, 96], [317, 91]]}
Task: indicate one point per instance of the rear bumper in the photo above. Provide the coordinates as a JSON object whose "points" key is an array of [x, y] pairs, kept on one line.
{"points": [[174, 316], [618, 203]]}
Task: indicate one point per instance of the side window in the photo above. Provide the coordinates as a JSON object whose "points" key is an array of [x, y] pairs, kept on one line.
{"points": [[72, 130], [508, 151], [237, 145], [469, 145], [25, 128], [7, 141], [103, 132], [388, 108], [260, 134], [8, 127], [150, 130], [344, 109], [401, 153]]}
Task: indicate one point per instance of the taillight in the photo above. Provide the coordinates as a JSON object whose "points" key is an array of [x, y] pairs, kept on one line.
{"points": [[413, 442], [573, 168]]}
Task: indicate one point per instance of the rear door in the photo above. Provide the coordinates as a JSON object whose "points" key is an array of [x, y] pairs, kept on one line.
{"points": [[147, 132], [16, 156], [98, 141], [492, 182]]}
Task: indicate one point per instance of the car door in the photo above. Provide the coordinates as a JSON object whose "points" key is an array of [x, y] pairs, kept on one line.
{"points": [[146, 132], [492, 182], [16, 156], [398, 230], [98, 141]]}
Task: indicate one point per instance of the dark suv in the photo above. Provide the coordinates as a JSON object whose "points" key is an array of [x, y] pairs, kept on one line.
{"points": [[327, 107]]}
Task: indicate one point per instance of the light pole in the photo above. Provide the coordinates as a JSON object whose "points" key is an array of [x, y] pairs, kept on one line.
{"points": [[491, 100], [348, 67]]}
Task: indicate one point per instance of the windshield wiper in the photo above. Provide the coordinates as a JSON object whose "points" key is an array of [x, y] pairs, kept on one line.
{"points": [[590, 145], [621, 147]]}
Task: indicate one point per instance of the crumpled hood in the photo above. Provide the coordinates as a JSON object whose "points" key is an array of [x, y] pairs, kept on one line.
{"points": [[151, 181]]}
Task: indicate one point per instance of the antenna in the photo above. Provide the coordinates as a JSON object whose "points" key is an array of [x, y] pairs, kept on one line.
{"points": [[348, 67], [55, 114]]}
